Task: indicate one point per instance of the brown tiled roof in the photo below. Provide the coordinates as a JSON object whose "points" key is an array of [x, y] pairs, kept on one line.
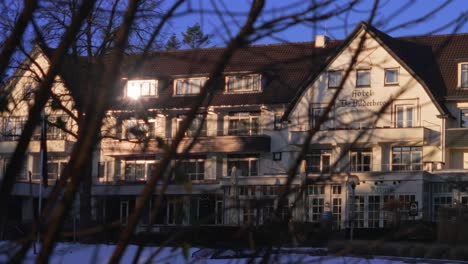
{"points": [[287, 68], [284, 67]]}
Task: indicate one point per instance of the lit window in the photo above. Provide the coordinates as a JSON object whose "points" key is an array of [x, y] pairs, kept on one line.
{"points": [[243, 83], [141, 88], [391, 76], [363, 78], [334, 79], [464, 76], [189, 86]]}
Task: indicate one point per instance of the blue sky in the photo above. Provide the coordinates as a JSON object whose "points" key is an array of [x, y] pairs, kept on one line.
{"points": [[391, 14]]}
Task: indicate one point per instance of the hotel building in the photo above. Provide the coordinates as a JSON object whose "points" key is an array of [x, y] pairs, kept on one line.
{"points": [[396, 131]]}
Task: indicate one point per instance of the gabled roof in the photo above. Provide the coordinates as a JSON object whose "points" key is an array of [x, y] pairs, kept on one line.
{"points": [[432, 60]]}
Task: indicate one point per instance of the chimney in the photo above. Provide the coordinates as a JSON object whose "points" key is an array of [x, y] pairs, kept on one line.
{"points": [[321, 41]]}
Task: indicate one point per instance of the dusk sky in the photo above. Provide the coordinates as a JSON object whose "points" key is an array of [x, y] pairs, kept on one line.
{"points": [[391, 14]]}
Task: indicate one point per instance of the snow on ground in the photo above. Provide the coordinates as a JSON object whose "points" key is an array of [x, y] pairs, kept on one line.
{"points": [[71, 253]]}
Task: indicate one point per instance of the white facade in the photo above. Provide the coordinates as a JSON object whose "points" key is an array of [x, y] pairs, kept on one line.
{"points": [[384, 131]]}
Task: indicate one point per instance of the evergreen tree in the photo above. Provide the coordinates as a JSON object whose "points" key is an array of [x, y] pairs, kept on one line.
{"points": [[194, 37], [173, 43]]}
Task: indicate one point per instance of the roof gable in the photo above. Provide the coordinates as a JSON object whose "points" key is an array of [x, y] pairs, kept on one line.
{"points": [[402, 52]]}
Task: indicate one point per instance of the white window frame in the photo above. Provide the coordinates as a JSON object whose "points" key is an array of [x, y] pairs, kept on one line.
{"points": [[357, 157], [194, 126], [463, 69], [243, 83], [366, 71], [141, 88], [322, 154], [149, 127], [198, 175], [247, 117], [248, 158], [404, 120], [332, 83], [397, 70], [190, 87], [315, 112], [147, 165]]}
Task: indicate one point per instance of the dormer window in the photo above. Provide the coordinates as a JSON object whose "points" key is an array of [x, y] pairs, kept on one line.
{"points": [[141, 88], [464, 75], [189, 86], [244, 83]]}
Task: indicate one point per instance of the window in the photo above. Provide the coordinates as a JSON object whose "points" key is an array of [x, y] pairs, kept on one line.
{"points": [[315, 113], [243, 165], [336, 211], [373, 213], [141, 88], [55, 166], [243, 83], [441, 201], [139, 129], [175, 211], [189, 86], [315, 189], [27, 91], [464, 118], [404, 116], [334, 79], [360, 159], [358, 211], [464, 76], [404, 205], [391, 76], [363, 78], [244, 124], [336, 189], [318, 161], [193, 169], [139, 170], [192, 130], [316, 208], [406, 158], [11, 127]]}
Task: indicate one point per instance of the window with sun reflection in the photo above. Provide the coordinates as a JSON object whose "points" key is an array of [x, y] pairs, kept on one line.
{"points": [[141, 88]]}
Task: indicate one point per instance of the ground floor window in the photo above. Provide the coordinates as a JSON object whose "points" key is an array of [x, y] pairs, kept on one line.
{"points": [[316, 208], [373, 212], [358, 211], [336, 210], [441, 202]]}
